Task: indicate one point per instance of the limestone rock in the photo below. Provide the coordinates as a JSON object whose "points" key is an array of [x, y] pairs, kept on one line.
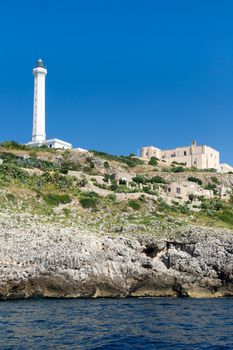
{"points": [[51, 261]]}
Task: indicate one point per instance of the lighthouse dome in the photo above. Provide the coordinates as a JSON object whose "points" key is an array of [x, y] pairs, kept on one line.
{"points": [[39, 63]]}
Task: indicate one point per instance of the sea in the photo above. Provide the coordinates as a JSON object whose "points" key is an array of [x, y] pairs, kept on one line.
{"points": [[122, 324]]}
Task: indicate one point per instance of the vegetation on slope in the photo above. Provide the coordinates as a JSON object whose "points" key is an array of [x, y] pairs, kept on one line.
{"points": [[40, 186], [131, 161]]}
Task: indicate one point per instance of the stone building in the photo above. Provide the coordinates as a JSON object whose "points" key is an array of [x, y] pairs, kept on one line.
{"points": [[185, 190], [225, 168], [123, 178], [198, 156]]}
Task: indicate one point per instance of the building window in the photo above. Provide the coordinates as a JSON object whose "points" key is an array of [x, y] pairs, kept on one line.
{"points": [[169, 189], [178, 190], [185, 153]]}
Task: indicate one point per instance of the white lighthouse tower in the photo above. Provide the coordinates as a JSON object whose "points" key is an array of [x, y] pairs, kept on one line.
{"points": [[38, 128]]}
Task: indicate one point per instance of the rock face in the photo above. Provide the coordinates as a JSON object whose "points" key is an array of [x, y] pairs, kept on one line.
{"points": [[48, 261]]}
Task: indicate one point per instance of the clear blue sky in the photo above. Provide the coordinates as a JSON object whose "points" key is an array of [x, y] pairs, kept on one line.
{"points": [[121, 73]]}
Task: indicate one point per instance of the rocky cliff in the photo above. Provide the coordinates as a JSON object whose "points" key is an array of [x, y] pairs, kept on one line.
{"points": [[71, 227], [50, 261]]}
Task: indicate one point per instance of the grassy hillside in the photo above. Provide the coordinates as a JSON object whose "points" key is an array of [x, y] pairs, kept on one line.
{"points": [[36, 182]]}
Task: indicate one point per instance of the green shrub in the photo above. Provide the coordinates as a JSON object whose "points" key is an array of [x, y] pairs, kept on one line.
{"points": [[210, 170], [91, 194], [37, 163], [134, 204], [178, 207], [108, 177], [212, 187], [114, 186], [59, 181], [213, 204], [69, 165], [174, 169], [124, 189], [153, 161], [178, 163], [30, 162], [13, 145], [195, 179], [142, 198], [91, 163], [106, 165], [184, 209], [112, 197], [56, 199], [33, 153], [175, 202], [178, 169], [88, 202], [162, 205], [10, 197], [166, 170], [81, 182], [148, 190], [88, 170], [226, 216], [13, 172], [231, 198], [128, 160], [158, 180], [215, 180], [66, 212], [102, 186], [45, 148], [139, 179]]}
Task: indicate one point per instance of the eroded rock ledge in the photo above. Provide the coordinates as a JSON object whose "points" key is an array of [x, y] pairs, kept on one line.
{"points": [[67, 263]]}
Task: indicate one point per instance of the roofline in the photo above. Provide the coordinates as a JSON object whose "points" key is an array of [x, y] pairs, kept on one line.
{"points": [[173, 149], [58, 140]]}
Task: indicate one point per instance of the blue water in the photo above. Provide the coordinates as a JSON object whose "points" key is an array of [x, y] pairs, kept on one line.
{"points": [[117, 324]]}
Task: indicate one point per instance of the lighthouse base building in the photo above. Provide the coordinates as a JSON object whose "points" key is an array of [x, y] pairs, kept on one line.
{"points": [[38, 128], [53, 143]]}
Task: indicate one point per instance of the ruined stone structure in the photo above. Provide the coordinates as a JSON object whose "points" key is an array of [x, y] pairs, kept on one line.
{"points": [[185, 190]]}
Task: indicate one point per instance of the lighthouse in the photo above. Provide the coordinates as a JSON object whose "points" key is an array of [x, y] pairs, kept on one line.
{"points": [[38, 127]]}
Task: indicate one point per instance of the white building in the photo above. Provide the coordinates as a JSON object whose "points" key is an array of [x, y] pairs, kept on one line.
{"points": [[198, 156], [38, 129], [225, 168]]}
